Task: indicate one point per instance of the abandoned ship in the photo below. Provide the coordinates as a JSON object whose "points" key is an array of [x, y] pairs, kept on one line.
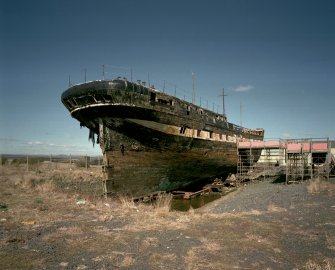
{"points": [[152, 141]]}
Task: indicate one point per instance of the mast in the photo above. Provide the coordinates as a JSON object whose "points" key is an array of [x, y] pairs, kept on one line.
{"points": [[241, 113], [223, 107], [193, 89]]}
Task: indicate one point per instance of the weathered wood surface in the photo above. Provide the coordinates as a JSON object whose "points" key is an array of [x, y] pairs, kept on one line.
{"points": [[153, 141]]}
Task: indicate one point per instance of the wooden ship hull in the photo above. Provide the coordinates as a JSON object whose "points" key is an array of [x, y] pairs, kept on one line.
{"points": [[152, 141]]}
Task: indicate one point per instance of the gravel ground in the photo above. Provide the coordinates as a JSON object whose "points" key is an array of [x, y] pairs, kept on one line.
{"points": [[304, 211], [260, 195]]}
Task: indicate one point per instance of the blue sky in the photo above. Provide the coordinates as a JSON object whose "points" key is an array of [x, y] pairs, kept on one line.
{"points": [[276, 58]]}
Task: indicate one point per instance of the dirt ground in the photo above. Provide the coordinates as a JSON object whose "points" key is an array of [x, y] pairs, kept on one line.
{"points": [[50, 220]]}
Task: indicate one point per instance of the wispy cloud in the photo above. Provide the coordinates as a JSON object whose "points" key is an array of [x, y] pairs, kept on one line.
{"points": [[18, 146], [286, 136], [36, 143], [47, 144], [10, 140], [244, 88]]}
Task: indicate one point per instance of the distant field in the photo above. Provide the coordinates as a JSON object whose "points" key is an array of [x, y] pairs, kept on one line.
{"points": [[44, 162], [8, 159], [80, 175]]}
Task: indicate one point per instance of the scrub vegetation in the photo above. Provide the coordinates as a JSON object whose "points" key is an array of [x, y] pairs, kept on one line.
{"points": [[57, 219]]}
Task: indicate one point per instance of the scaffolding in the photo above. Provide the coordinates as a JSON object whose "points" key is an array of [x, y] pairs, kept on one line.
{"points": [[332, 165], [307, 158], [260, 160], [297, 159]]}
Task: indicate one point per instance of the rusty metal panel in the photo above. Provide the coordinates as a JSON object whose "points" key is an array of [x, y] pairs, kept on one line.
{"points": [[306, 147], [244, 144], [293, 147], [320, 147], [272, 144], [298, 147]]}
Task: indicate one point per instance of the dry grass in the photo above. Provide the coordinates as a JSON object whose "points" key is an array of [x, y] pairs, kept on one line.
{"points": [[128, 204], [192, 259], [72, 181], [149, 242], [127, 261], [330, 240], [26, 180], [160, 260], [71, 230], [311, 265], [161, 204], [145, 216], [210, 245], [317, 185], [40, 193], [272, 208], [122, 233], [197, 258], [156, 216]]}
